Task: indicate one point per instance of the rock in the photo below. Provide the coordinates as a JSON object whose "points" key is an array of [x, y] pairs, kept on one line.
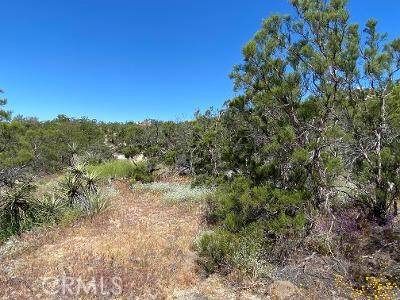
{"points": [[229, 174], [284, 290], [138, 158], [119, 156]]}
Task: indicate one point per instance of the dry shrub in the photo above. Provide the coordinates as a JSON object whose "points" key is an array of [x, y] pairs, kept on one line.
{"points": [[366, 255]]}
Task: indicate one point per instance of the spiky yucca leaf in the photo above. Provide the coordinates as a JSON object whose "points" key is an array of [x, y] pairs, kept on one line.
{"points": [[78, 168], [91, 179], [16, 206], [95, 202], [72, 188], [50, 207], [73, 148]]}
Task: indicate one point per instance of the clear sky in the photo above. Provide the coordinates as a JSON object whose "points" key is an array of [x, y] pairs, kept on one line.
{"points": [[119, 60]]}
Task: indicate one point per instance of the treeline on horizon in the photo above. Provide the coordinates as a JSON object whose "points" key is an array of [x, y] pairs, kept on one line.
{"points": [[315, 131], [46, 147]]}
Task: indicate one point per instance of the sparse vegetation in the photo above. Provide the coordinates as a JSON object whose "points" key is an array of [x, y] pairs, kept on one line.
{"points": [[176, 192], [300, 169], [76, 194]]}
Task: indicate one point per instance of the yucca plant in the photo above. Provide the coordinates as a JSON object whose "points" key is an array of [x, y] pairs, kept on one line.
{"points": [[16, 207], [78, 167], [72, 188], [50, 207], [91, 179], [73, 149], [80, 188], [95, 203]]}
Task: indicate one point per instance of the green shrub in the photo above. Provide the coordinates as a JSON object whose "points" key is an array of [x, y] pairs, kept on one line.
{"points": [[71, 187], [250, 255], [170, 157], [80, 189], [141, 173], [254, 219], [203, 180], [21, 211], [130, 151], [239, 204], [244, 251], [68, 216], [215, 248]]}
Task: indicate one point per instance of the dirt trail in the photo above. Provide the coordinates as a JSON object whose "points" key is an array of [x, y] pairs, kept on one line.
{"points": [[142, 248]]}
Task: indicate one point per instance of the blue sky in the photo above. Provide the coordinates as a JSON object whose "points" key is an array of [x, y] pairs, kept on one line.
{"points": [[119, 60]]}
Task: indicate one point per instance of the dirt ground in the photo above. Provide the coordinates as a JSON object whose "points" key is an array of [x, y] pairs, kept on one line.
{"points": [[141, 248]]}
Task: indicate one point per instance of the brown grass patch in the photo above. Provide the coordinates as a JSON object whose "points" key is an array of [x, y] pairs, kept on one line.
{"points": [[141, 240]]}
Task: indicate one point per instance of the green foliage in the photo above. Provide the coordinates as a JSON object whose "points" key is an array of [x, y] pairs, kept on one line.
{"points": [[21, 210], [117, 169], [215, 248], [239, 204], [311, 112], [245, 250], [113, 169], [170, 157], [142, 173], [76, 195], [16, 208], [50, 208], [44, 146], [4, 115], [240, 207], [316, 122], [80, 188], [130, 151], [97, 202]]}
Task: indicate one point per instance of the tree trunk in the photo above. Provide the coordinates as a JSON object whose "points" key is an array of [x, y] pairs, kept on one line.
{"points": [[380, 205]]}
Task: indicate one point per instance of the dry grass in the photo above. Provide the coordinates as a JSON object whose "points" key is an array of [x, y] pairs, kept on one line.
{"points": [[148, 243], [145, 243], [142, 240]]}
